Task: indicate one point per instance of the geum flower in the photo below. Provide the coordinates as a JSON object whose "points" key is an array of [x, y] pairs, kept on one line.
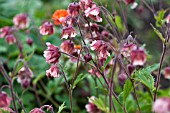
{"points": [[4, 99], [93, 13], [5, 31], [138, 57], [101, 47], [68, 32], [59, 16], [67, 46], [47, 28], [53, 72], [21, 21], [52, 54], [74, 9], [10, 39], [167, 72]]}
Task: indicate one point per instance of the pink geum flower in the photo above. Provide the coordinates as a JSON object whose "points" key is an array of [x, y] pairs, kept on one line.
{"points": [[161, 105], [36, 110], [4, 99], [68, 32], [10, 39], [25, 76], [67, 46], [127, 48], [84, 4], [53, 72], [132, 3], [93, 13], [138, 57], [5, 31], [167, 72], [122, 78], [21, 21], [101, 47], [74, 9], [168, 19], [47, 28], [52, 54], [92, 108]]}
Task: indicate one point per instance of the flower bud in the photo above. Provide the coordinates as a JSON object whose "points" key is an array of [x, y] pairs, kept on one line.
{"points": [[47, 28], [122, 78], [68, 32], [67, 46], [29, 41], [53, 72], [130, 68], [167, 72], [4, 99], [74, 9], [21, 21], [36, 110], [161, 105], [105, 33], [129, 1], [87, 57], [52, 54], [5, 31], [10, 39]]}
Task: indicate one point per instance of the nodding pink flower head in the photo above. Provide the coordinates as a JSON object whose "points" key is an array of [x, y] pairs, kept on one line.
{"points": [[122, 78], [10, 39], [100, 47], [67, 46], [93, 13], [161, 105], [29, 41], [127, 48], [47, 28], [74, 9], [24, 76], [84, 4], [138, 57], [105, 33], [53, 72], [68, 32], [36, 110], [21, 21], [168, 19], [129, 1], [52, 54], [5, 31], [130, 68], [4, 99], [167, 72], [92, 108], [87, 57]]}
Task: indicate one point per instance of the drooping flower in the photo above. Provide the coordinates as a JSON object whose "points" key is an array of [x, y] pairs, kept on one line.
{"points": [[53, 72], [67, 46], [130, 68], [100, 47], [4, 99], [91, 107], [29, 41], [5, 31], [36, 110], [87, 57], [21, 21], [59, 16], [122, 78], [68, 32], [129, 1], [168, 19], [10, 39], [74, 9], [167, 72], [24, 76], [138, 57], [84, 4], [161, 105], [47, 28], [52, 54]]}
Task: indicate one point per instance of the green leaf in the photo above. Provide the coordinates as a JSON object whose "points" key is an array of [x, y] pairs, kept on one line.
{"points": [[99, 103], [159, 18], [144, 76], [108, 60], [61, 107], [80, 77], [127, 89], [159, 34]]}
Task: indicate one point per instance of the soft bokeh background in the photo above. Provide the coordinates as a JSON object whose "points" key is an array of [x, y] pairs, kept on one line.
{"points": [[53, 91]]}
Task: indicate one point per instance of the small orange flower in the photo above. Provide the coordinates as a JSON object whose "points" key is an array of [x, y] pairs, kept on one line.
{"points": [[59, 15], [77, 47]]}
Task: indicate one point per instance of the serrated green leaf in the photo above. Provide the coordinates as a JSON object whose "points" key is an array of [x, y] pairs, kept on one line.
{"points": [[127, 89], [80, 77], [61, 107], [159, 18], [159, 34], [108, 60]]}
